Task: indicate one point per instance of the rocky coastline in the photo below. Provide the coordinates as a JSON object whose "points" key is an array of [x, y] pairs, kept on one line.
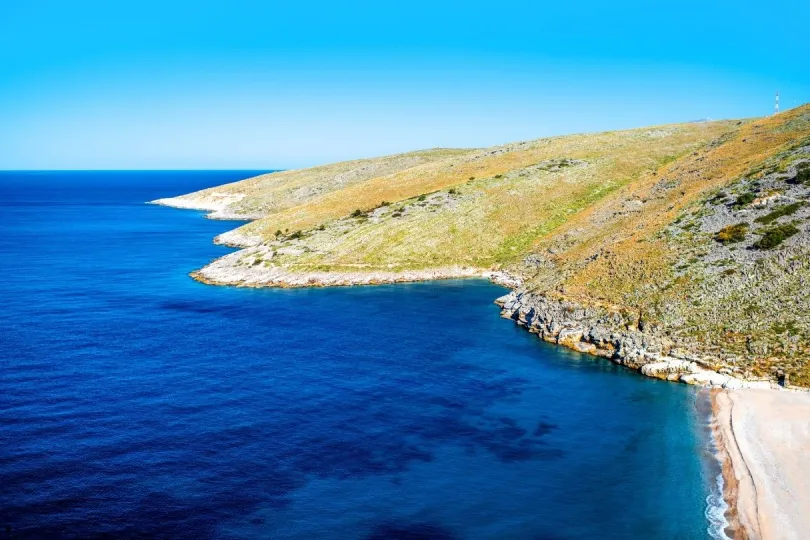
{"points": [[216, 204], [225, 271], [619, 337]]}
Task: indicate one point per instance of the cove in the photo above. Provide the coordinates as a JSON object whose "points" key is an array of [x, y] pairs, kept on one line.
{"points": [[139, 403]]}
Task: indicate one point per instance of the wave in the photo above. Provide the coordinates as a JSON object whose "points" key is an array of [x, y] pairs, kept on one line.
{"points": [[716, 507]]}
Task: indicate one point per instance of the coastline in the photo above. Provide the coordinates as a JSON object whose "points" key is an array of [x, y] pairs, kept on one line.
{"points": [[226, 274], [622, 338], [216, 205], [730, 487], [764, 437]]}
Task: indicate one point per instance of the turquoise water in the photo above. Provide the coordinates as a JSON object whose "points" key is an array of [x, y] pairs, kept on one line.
{"points": [[138, 403]]}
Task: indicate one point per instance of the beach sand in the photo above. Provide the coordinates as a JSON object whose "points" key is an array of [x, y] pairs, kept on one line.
{"points": [[765, 436]]}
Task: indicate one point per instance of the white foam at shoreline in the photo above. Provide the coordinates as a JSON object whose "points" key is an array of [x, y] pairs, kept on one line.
{"points": [[716, 507]]}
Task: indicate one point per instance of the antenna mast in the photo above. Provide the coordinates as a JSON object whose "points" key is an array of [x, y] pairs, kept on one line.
{"points": [[776, 106]]}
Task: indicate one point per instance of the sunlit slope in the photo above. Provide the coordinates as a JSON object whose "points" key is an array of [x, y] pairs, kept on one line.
{"points": [[480, 209], [714, 249], [268, 194]]}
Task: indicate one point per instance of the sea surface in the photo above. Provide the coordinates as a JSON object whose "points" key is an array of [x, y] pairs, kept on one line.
{"points": [[138, 403]]}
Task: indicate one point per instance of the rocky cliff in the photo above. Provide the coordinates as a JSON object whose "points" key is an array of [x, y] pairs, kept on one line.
{"points": [[621, 337]]}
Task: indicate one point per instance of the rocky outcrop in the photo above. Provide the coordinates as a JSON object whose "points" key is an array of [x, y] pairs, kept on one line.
{"points": [[619, 336], [217, 204], [237, 239], [252, 270]]}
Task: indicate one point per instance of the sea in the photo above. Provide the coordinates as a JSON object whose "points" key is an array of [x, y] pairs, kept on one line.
{"points": [[136, 402]]}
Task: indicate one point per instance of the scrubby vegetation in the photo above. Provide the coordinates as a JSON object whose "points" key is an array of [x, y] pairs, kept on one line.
{"points": [[803, 173], [745, 199], [732, 233], [785, 210], [774, 236]]}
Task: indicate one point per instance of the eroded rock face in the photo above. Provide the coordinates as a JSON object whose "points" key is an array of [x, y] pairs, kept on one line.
{"points": [[616, 336]]}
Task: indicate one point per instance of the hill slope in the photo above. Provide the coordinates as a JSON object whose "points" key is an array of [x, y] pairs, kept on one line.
{"points": [[681, 246]]}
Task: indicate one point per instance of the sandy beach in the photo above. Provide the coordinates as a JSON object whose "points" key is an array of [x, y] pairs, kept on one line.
{"points": [[765, 435]]}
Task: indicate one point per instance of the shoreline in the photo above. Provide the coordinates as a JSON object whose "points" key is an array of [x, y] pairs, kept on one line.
{"points": [[730, 487], [277, 277], [764, 438], [620, 338], [216, 206]]}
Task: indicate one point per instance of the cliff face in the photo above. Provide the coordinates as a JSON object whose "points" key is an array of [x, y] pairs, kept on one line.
{"points": [[621, 337]]}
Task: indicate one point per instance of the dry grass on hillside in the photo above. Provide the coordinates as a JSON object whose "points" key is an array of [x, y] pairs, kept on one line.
{"points": [[616, 245], [618, 253], [271, 193], [504, 199]]}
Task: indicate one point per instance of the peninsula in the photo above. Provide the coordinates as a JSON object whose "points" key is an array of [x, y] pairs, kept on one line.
{"points": [[681, 251]]}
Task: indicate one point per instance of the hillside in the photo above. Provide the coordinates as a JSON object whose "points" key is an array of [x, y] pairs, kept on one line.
{"points": [[688, 240]]}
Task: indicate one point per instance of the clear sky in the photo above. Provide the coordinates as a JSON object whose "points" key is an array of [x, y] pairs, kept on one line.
{"points": [[92, 84]]}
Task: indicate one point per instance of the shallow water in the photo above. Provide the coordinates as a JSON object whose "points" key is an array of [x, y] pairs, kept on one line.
{"points": [[139, 403]]}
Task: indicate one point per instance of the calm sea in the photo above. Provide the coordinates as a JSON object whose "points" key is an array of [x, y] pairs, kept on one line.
{"points": [[137, 403]]}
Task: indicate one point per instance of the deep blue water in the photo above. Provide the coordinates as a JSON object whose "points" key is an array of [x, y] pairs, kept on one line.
{"points": [[138, 403]]}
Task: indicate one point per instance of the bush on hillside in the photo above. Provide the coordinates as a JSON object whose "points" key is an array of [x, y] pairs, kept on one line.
{"points": [[802, 174], [745, 199], [776, 235], [732, 233], [778, 212]]}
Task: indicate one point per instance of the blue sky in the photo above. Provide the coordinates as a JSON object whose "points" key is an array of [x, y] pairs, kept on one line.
{"points": [[249, 84]]}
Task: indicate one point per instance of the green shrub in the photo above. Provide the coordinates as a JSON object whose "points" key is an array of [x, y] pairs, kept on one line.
{"points": [[498, 176], [790, 327], [358, 213], [452, 191], [472, 178], [802, 174], [279, 233], [421, 198], [296, 235], [745, 199], [776, 235], [732, 233], [778, 212], [321, 227]]}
